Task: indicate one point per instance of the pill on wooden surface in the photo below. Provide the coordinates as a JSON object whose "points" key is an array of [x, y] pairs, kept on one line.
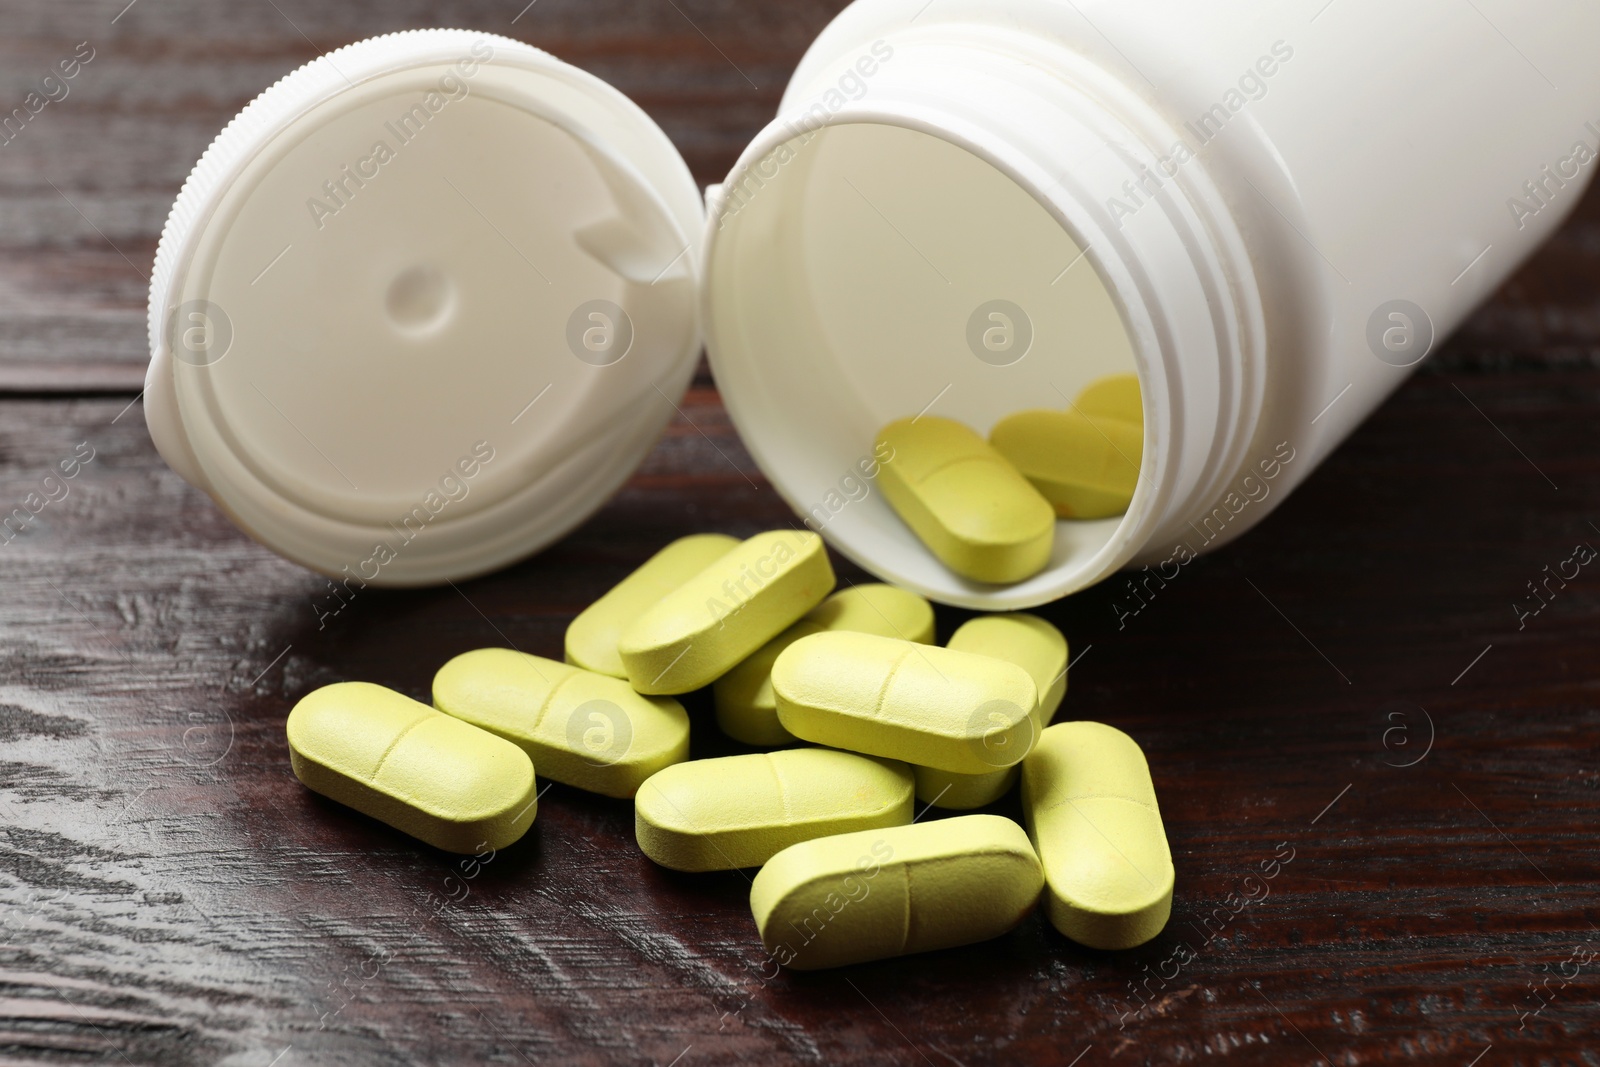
{"points": [[1116, 396], [737, 603], [424, 773], [592, 637], [1038, 648], [1087, 468], [965, 501], [737, 811], [929, 706], [747, 710], [585, 729], [881, 893], [1091, 810]]}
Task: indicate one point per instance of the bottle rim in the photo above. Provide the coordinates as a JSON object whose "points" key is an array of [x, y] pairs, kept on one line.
{"points": [[1178, 274]]}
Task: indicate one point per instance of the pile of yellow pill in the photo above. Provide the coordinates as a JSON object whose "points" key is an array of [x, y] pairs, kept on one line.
{"points": [[863, 714], [747, 707], [987, 509]]}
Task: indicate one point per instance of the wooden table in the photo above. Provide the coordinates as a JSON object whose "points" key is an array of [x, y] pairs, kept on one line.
{"points": [[1345, 698]]}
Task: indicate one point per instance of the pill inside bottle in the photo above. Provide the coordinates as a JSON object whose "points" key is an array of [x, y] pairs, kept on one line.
{"points": [[932, 286]]}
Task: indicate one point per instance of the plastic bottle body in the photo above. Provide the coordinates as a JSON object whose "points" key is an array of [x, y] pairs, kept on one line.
{"points": [[1286, 209]]}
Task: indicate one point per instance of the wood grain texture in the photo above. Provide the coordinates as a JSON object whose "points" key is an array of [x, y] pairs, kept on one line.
{"points": [[171, 895], [86, 187]]}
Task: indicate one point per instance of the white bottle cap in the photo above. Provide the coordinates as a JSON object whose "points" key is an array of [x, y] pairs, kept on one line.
{"points": [[423, 306]]}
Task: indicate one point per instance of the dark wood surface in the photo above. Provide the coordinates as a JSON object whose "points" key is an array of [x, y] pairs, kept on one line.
{"points": [[1349, 684]]}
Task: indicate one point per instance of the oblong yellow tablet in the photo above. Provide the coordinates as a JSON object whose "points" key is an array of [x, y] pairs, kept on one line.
{"points": [[963, 792], [737, 811], [1091, 810], [1028, 641], [1116, 396], [585, 729], [1038, 648], [438, 779], [1086, 467], [965, 501], [747, 710], [736, 604], [929, 706], [881, 893], [592, 637]]}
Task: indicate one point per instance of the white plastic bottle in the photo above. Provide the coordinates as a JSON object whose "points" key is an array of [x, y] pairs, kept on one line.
{"points": [[1281, 207], [420, 362]]}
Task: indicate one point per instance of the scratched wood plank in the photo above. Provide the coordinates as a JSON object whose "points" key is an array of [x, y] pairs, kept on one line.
{"points": [[173, 895], [86, 186]]}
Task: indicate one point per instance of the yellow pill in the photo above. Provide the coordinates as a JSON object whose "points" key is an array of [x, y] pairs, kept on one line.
{"points": [[965, 501], [702, 629], [963, 792], [438, 779], [1091, 810], [1028, 641], [926, 705], [585, 729], [1115, 396], [881, 893], [592, 637], [1038, 648], [747, 710], [738, 811], [1086, 467]]}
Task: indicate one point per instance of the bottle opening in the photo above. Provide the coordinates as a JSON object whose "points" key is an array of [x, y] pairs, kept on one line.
{"points": [[865, 273]]}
